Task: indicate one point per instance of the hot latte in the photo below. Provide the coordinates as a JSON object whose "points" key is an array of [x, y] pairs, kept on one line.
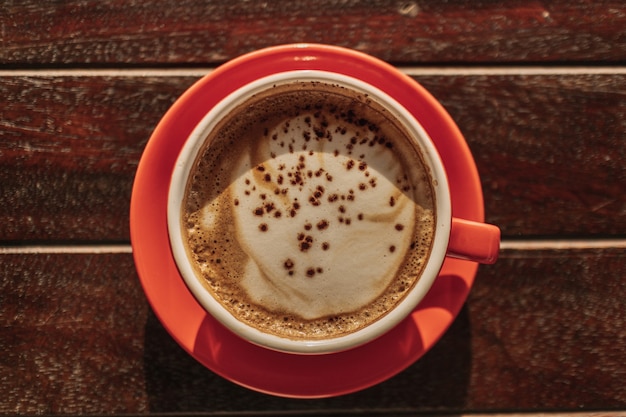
{"points": [[308, 213]]}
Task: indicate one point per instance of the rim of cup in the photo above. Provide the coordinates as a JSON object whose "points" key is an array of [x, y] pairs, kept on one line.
{"points": [[184, 165]]}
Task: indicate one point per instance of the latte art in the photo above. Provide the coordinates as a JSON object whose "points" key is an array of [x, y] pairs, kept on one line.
{"points": [[312, 220], [307, 215]]}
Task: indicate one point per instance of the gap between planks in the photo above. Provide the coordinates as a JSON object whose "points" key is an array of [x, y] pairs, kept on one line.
{"points": [[412, 71], [507, 244]]}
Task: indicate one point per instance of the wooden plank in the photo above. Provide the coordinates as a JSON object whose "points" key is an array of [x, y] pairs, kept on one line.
{"points": [[72, 334], [553, 319], [69, 148], [79, 33], [549, 148], [542, 330]]}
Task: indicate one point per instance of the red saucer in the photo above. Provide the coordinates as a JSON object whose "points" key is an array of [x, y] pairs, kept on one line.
{"points": [[208, 341]]}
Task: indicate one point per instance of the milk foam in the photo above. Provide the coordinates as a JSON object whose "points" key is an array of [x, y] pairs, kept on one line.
{"points": [[307, 214]]}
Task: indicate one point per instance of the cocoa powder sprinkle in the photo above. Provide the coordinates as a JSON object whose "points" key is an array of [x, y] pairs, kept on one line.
{"points": [[322, 224]]}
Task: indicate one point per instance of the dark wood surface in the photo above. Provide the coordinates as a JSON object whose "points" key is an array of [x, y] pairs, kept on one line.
{"points": [[535, 333], [537, 88], [81, 33], [561, 152]]}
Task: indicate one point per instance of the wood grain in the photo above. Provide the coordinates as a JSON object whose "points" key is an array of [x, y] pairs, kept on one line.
{"points": [[549, 148], [72, 334], [193, 32], [69, 148], [542, 330]]}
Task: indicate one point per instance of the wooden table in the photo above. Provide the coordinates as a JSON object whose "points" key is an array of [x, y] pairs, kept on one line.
{"points": [[538, 89]]}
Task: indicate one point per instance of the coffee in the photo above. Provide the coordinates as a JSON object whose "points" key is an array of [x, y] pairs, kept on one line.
{"points": [[308, 213]]}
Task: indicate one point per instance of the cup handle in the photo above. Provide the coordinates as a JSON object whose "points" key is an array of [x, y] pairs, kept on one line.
{"points": [[474, 241]]}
